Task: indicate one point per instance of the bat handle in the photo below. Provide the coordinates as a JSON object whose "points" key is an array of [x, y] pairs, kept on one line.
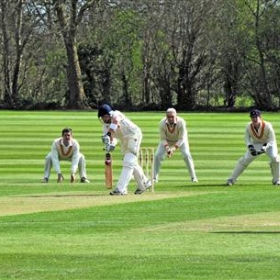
{"points": [[108, 159]]}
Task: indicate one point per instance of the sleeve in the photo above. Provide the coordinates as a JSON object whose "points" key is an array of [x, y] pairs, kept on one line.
{"points": [[55, 158], [162, 133], [271, 135], [247, 136], [75, 157], [116, 117], [106, 128]]}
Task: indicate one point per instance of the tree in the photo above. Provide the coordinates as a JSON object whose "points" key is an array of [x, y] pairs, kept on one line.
{"points": [[189, 48], [262, 61], [16, 29], [69, 14]]}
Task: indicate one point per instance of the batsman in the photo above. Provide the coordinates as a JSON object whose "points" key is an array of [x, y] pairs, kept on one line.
{"points": [[259, 139], [118, 128]]}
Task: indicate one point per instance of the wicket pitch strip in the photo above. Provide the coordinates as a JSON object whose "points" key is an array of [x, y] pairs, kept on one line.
{"points": [[146, 161]]}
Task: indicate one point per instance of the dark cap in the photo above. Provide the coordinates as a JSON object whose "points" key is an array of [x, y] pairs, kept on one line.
{"points": [[255, 113], [104, 109]]}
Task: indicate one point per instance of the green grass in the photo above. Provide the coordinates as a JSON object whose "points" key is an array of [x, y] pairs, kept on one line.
{"points": [[182, 231]]}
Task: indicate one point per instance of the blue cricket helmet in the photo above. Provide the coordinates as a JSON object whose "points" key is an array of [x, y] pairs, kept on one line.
{"points": [[104, 109]]}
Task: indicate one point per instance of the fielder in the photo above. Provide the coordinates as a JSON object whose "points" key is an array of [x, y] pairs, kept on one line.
{"points": [[117, 127], [65, 148], [259, 138], [173, 136]]}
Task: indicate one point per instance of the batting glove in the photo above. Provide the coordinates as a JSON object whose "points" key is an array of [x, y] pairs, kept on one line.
{"points": [[252, 150], [109, 148], [60, 178], [105, 139]]}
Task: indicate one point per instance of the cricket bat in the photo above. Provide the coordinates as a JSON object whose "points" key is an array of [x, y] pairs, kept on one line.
{"points": [[108, 171]]}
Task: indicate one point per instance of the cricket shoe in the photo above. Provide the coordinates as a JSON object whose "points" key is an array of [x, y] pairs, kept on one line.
{"points": [[117, 192], [194, 180], [84, 180], [147, 185], [45, 180], [230, 182], [138, 191], [155, 179], [276, 183]]}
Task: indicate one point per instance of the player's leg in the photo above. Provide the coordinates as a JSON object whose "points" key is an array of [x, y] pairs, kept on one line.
{"points": [[142, 181], [160, 155], [129, 147], [82, 169], [185, 151], [240, 166], [48, 166], [272, 152], [126, 174]]}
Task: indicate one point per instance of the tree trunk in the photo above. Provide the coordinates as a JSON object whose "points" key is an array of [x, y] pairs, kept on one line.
{"points": [[186, 96], [77, 98], [68, 26]]}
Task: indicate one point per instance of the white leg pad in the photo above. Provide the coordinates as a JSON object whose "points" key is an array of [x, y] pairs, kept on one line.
{"points": [[139, 177], [126, 173]]}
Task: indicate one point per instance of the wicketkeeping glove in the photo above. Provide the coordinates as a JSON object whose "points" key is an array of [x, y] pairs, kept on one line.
{"points": [[105, 139], [252, 150], [109, 148]]}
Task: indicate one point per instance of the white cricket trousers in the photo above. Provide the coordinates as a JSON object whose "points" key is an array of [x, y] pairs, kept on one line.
{"points": [[243, 162], [81, 165], [160, 156], [130, 146]]}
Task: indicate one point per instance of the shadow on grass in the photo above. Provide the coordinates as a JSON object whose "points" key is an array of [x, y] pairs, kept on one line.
{"points": [[68, 195], [206, 185], [247, 232]]}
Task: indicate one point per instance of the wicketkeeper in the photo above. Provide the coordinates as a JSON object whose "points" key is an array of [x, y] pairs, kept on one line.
{"points": [[118, 128], [65, 148], [259, 139], [173, 136]]}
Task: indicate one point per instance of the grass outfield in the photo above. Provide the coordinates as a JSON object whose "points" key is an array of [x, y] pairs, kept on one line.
{"points": [[182, 231]]}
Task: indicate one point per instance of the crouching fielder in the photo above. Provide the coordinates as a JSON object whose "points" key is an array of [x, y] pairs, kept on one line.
{"points": [[65, 148], [117, 127], [259, 138]]}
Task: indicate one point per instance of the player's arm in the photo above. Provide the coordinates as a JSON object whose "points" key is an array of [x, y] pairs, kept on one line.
{"points": [[74, 161], [182, 136], [271, 138], [182, 132], [248, 141], [110, 142]]}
